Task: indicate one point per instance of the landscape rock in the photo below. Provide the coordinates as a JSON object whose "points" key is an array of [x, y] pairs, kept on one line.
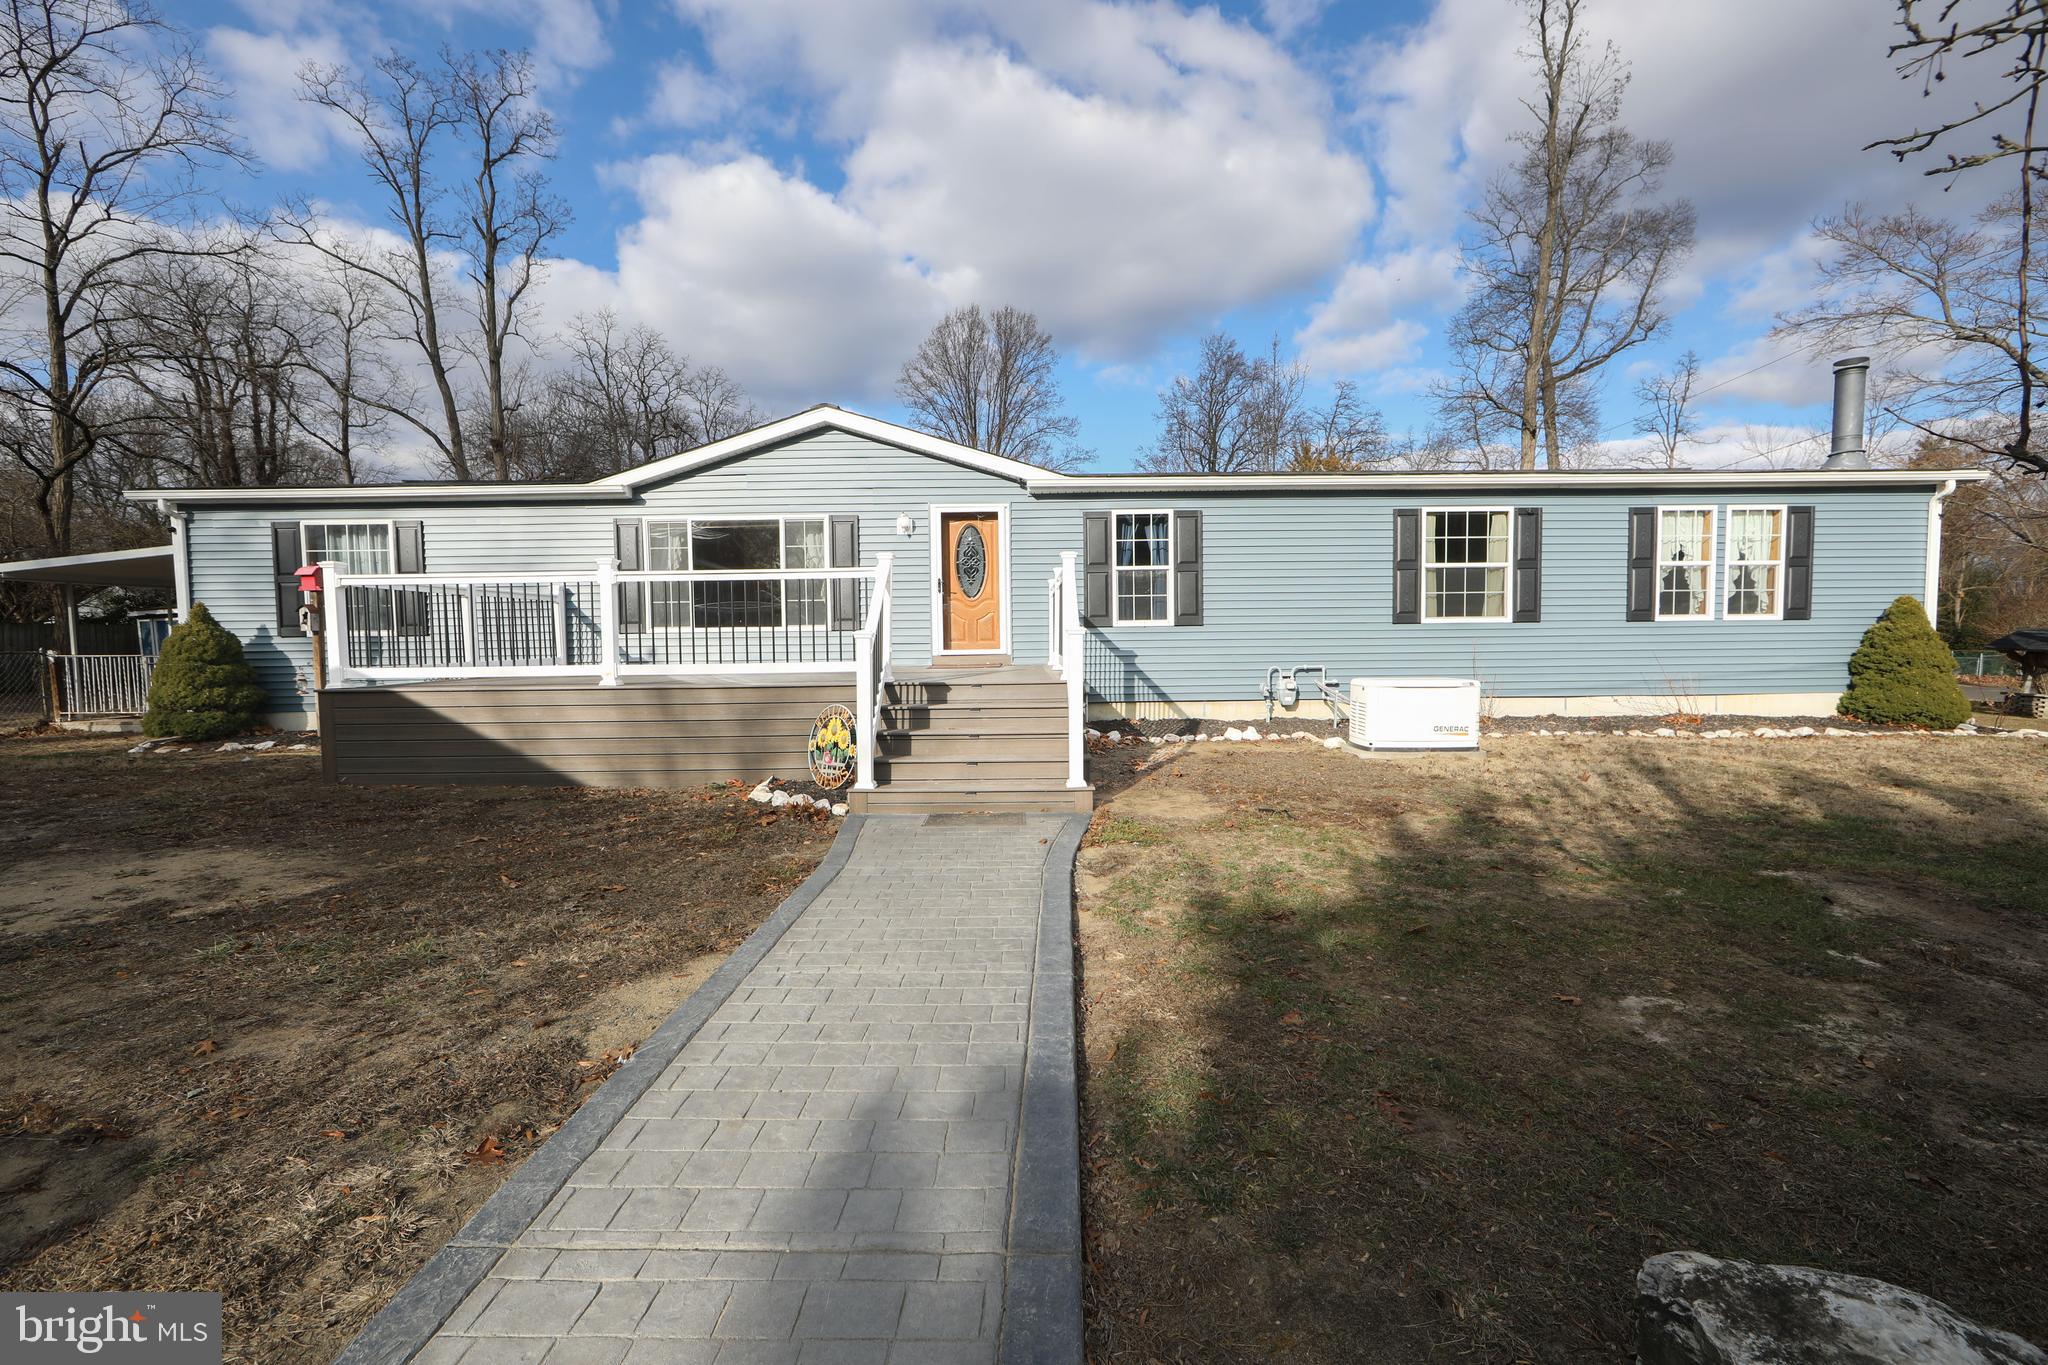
{"points": [[1803, 732], [839, 808], [1694, 1309], [764, 792], [1248, 733], [1333, 742], [1666, 732], [262, 744], [778, 798]]}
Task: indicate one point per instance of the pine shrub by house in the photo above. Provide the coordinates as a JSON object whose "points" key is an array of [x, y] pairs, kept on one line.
{"points": [[203, 688], [1902, 674]]}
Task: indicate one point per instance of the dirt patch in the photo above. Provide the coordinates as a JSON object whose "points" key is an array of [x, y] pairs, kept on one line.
{"points": [[1418, 1057], [60, 889], [279, 1039]]}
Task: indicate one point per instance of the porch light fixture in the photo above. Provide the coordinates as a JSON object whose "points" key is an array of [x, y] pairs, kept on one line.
{"points": [[905, 523]]}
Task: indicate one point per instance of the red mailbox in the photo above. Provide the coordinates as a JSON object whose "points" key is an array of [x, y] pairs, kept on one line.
{"points": [[309, 577]]}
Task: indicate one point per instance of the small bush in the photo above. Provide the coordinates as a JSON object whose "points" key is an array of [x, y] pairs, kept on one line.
{"points": [[203, 687], [1902, 674]]}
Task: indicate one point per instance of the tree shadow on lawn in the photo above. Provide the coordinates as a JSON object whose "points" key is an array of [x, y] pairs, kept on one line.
{"points": [[1431, 1068]]}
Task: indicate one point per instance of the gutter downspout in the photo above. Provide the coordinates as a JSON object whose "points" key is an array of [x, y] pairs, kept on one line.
{"points": [[1935, 513], [181, 564]]}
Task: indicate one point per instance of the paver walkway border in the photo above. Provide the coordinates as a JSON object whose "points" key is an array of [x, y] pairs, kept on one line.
{"points": [[1041, 1316]]}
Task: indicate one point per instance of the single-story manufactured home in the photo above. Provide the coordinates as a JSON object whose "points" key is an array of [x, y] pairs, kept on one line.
{"points": [[688, 619]]}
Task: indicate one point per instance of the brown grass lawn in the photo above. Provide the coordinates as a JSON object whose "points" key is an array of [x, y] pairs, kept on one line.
{"points": [[279, 1038], [1418, 1057]]}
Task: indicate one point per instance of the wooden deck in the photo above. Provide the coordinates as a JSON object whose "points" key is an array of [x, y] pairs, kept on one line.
{"points": [[648, 732], [953, 739]]}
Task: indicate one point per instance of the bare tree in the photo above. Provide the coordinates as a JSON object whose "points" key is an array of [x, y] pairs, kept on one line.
{"points": [[1209, 421], [990, 381], [716, 406], [1569, 256], [1345, 436], [511, 216], [629, 387], [1946, 300], [345, 314], [1280, 416], [1667, 417], [105, 112], [399, 117]]}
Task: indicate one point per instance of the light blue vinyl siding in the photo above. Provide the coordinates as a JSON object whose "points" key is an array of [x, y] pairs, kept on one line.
{"points": [[1294, 579], [1288, 578]]}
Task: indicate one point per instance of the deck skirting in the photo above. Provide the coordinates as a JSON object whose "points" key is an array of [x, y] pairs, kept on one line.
{"points": [[666, 733]]}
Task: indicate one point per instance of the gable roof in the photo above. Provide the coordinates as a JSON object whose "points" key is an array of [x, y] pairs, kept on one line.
{"points": [[622, 486], [826, 417]]}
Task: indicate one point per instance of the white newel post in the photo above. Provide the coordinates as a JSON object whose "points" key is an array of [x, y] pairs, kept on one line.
{"points": [[608, 622], [334, 622], [885, 569], [1073, 655]]}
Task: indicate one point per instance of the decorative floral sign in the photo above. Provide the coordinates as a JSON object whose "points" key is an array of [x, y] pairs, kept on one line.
{"points": [[833, 747]]}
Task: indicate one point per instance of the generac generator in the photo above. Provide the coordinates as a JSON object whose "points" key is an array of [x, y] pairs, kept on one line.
{"points": [[1415, 713]]}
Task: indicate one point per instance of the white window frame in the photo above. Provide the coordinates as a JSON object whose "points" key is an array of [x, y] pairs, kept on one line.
{"points": [[1660, 563], [390, 538], [1116, 616], [1507, 596], [1728, 563], [689, 524]]}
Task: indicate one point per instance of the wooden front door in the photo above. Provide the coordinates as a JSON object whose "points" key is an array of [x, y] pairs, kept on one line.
{"points": [[970, 579]]}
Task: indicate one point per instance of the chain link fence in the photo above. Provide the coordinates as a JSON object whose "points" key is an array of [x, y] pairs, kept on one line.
{"points": [[24, 689]]}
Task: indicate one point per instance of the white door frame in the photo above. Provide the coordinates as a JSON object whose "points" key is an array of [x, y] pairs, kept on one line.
{"points": [[937, 513]]}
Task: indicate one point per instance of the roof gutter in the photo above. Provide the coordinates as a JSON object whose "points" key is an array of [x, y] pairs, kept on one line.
{"points": [[382, 493], [1562, 482]]}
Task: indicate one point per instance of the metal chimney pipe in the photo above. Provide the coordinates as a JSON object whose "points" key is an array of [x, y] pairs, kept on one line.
{"points": [[1852, 375]]}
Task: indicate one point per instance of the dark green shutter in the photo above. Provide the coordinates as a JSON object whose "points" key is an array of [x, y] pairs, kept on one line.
{"points": [[1187, 568], [1799, 564], [284, 572], [844, 538], [1407, 566], [1642, 564], [409, 555], [1528, 564], [632, 596], [1095, 571]]}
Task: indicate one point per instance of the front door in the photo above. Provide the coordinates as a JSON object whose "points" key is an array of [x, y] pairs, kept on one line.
{"points": [[970, 586]]}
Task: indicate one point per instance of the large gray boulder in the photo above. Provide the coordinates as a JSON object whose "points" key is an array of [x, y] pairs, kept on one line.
{"points": [[1697, 1310]]}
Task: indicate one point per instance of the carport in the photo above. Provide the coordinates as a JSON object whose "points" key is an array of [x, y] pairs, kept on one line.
{"points": [[71, 684]]}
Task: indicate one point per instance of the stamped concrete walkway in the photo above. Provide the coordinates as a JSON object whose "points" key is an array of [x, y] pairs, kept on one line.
{"points": [[864, 1154]]}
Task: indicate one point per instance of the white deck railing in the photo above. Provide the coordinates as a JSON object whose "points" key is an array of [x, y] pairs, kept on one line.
{"points": [[606, 623], [871, 679], [102, 684], [1067, 653]]}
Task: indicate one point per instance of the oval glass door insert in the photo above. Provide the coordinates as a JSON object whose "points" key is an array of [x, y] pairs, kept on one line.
{"points": [[970, 561]]}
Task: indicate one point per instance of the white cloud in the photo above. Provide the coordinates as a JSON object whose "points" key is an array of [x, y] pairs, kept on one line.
{"points": [[687, 96], [796, 296], [1289, 17], [1124, 171], [263, 70], [1369, 320], [1115, 220]]}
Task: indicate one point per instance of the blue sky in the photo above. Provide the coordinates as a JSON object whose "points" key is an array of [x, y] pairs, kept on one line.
{"points": [[796, 189]]}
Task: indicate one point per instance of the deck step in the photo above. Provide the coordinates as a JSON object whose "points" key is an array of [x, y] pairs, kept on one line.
{"points": [[913, 746], [1047, 772], [916, 799]]}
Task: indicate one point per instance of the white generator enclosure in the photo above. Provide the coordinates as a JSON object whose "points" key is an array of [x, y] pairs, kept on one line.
{"points": [[1415, 713]]}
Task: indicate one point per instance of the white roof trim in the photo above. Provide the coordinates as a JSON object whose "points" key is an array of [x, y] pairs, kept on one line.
{"points": [[1648, 480], [826, 417], [104, 568], [333, 494], [621, 487]]}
